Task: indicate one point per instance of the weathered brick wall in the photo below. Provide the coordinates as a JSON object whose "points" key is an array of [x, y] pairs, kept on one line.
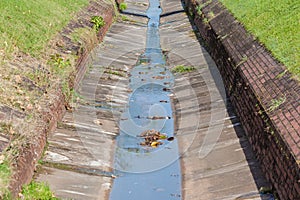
{"points": [[265, 96]]}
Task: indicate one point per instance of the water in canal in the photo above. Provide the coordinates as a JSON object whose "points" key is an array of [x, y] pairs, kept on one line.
{"points": [[145, 172]]}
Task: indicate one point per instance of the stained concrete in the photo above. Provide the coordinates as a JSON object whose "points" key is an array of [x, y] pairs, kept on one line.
{"points": [[78, 161], [216, 158]]}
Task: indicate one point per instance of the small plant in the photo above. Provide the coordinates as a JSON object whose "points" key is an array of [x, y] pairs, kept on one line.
{"points": [[122, 6], [199, 11], [37, 190], [211, 14], [58, 62], [98, 22], [183, 69], [275, 103], [205, 20]]}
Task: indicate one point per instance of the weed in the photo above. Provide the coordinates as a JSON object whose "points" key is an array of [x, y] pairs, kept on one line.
{"points": [[122, 6], [199, 11], [58, 63], [205, 20], [98, 22], [275, 103], [37, 190], [124, 18], [114, 73], [211, 14], [182, 69], [280, 75], [244, 59]]}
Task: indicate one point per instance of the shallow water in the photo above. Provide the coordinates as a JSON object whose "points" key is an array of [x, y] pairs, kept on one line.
{"points": [[146, 172]]}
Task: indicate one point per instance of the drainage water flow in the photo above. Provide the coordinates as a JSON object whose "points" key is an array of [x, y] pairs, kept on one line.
{"points": [[148, 171]]}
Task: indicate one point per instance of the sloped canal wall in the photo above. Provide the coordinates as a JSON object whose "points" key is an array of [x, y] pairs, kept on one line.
{"points": [[254, 80]]}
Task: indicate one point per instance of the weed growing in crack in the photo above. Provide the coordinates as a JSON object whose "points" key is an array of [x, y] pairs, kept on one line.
{"points": [[122, 6], [182, 69], [98, 22], [275, 103]]}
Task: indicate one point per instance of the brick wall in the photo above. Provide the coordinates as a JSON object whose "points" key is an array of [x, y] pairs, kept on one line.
{"points": [[265, 96]]}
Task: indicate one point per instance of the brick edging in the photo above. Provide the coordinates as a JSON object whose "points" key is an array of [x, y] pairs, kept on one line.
{"points": [[29, 154], [265, 96]]}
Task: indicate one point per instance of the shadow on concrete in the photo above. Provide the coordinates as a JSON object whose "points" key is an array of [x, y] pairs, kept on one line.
{"points": [[253, 164]]}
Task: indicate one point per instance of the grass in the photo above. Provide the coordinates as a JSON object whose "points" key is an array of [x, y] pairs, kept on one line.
{"points": [[37, 190], [182, 69], [275, 103], [275, 23], [5, 173], [123, 6], [28, 25]]}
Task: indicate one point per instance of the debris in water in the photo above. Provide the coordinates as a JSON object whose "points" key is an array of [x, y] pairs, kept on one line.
{"points": [[163, 101], [158, 117], [158, 77], [152, 138]]}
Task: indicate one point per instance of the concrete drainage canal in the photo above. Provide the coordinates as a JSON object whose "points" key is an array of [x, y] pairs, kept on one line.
{"points": [[146, 159], [139, 131]]}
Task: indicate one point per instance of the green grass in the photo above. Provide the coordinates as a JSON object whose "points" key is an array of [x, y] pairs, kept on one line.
{"points": [[37, 190], [5, 173], [276, 24], [123, 6], [28, 25]]}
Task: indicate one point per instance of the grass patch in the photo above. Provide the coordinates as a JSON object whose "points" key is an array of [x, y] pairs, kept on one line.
{"points": [[123, 6], [5, 173], [182, 69], [275, 23], [28, 25], [114, 73], [37, 190]]}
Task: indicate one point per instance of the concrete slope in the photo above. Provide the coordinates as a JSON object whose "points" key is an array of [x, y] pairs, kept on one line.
{"points": [[217, 161], [78, 161]]}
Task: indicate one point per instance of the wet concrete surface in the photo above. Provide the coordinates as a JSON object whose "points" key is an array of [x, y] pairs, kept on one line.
{"points": [[215, 156]]}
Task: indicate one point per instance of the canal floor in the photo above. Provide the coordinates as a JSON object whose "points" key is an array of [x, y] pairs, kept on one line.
{"points": [[211, 157]]}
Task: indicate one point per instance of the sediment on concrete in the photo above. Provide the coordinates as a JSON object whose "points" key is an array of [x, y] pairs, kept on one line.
{"points": [[264, 94], [30, 153]]}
